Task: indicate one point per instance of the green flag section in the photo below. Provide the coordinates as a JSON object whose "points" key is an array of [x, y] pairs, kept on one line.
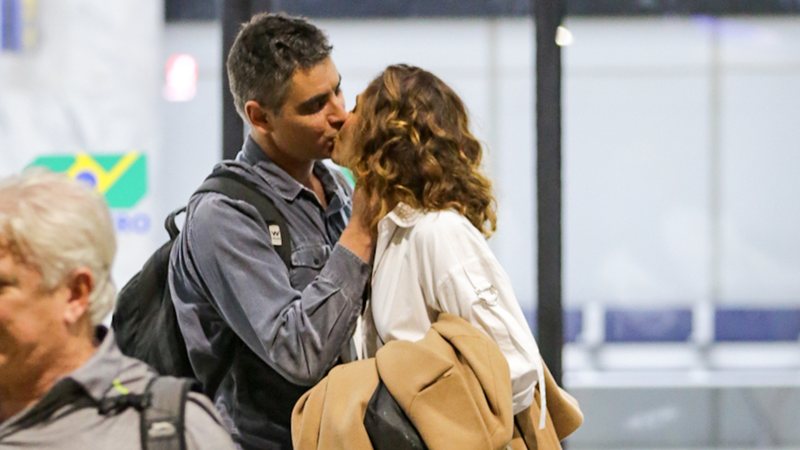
{"points": [[121, 177]]}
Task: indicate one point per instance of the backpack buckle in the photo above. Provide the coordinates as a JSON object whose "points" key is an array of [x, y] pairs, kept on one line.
{"points": [[115, 405]]}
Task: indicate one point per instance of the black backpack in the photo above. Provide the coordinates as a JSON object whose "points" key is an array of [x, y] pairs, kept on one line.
{"points": [[145, 323]]}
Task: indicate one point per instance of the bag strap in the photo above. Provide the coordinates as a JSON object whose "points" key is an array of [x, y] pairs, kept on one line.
{"points": [[169, 222], [237, 187], [162, 424]]}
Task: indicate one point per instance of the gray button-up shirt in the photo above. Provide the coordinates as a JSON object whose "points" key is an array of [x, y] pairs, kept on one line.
{"points": [[241, 309], [67, 416]]}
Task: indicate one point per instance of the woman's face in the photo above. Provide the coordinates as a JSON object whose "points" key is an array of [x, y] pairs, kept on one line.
{"points": [[344, 149]]}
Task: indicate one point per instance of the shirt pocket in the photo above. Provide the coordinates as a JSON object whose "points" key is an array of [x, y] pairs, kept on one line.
{"points": [[487, 311], [307, 262]]}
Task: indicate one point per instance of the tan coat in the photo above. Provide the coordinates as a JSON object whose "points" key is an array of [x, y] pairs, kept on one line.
{"points": [[564, 416], [453, 385]]}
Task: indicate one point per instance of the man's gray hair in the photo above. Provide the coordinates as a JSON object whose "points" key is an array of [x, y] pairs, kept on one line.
{"points": [[55, 225], [266, 53]]}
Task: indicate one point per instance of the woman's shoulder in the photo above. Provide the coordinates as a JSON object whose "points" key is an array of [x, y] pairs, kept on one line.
{"points": [[446, 224], [441, 218]]}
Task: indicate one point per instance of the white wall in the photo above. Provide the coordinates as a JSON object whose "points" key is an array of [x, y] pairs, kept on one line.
{"points": [[88, 83]]}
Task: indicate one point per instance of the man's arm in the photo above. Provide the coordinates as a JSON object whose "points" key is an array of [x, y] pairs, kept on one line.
{"points": [[298, 333]]}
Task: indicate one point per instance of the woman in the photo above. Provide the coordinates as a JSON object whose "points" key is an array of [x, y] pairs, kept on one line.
{"points": [[408, 143]]}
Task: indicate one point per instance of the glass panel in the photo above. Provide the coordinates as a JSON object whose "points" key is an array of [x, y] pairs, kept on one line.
{"points": [[681, 249]]}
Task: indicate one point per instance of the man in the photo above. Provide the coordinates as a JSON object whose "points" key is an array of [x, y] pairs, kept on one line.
{"points": [[259, 333], [57, 369]]}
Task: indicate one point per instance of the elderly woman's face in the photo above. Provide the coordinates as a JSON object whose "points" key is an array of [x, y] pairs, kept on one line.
{"points": [[344, 149]]}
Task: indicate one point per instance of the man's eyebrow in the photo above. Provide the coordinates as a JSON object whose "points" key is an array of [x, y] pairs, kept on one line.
{"points": [[319, 98]]}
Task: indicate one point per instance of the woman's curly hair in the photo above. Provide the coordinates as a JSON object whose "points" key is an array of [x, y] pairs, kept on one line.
{"points": [[413, 145]]}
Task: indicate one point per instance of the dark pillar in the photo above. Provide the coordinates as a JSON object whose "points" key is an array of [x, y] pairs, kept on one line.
{"points": [[548, 15], [234, 13]]}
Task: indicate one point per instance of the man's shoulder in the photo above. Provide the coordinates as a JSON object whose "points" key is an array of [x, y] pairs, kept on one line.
{"points": [[200, 408], [210, 207], [258, 178], [171, 400], [203, 425]]}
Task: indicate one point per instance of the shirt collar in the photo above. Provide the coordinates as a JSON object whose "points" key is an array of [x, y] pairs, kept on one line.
{"points": [[403, 216], [107, 367], [282, 182]]}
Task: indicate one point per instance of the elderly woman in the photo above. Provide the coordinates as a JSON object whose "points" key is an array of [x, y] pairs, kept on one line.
{"points": [[409, 145]]}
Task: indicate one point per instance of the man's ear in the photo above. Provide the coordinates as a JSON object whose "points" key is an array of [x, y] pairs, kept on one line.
{"points": [[259, 117], [79, 285]]}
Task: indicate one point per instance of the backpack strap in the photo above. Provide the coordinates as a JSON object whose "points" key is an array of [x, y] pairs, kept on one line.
{"points": [[169, 223], [237, 187], [162, 424]]}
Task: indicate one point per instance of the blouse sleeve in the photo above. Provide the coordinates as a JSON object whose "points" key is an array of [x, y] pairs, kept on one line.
{"points": [[469, 282]]}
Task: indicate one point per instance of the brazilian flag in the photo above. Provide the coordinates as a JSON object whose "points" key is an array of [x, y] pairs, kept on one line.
{"points": [[121, 178]]}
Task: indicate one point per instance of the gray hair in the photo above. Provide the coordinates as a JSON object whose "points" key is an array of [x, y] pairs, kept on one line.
{"points": [[56, 225], [265, 55]]}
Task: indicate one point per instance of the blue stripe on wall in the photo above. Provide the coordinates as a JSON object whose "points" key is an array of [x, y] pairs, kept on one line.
{"points": [[650, 325], [665, 325], [757, 325], [573, 323], [10, 25]]}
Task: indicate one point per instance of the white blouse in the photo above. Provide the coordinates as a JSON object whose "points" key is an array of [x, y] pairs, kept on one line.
{"points": [[431, 262]]}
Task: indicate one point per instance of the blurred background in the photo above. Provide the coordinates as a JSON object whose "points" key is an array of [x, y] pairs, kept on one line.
{"points": [[681, 172]]}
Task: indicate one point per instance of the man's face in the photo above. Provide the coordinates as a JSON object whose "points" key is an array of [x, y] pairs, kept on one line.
{"points": [[311, 116], [31, 325]]}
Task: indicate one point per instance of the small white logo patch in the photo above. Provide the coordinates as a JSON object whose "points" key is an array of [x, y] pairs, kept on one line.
{"points": [[275, 235]]}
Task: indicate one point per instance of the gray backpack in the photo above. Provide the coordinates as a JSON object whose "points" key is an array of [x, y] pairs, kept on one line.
{"points": [[162, 408]]}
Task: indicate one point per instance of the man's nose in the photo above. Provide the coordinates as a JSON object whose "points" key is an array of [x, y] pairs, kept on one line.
{"points": [[338, 113]]}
